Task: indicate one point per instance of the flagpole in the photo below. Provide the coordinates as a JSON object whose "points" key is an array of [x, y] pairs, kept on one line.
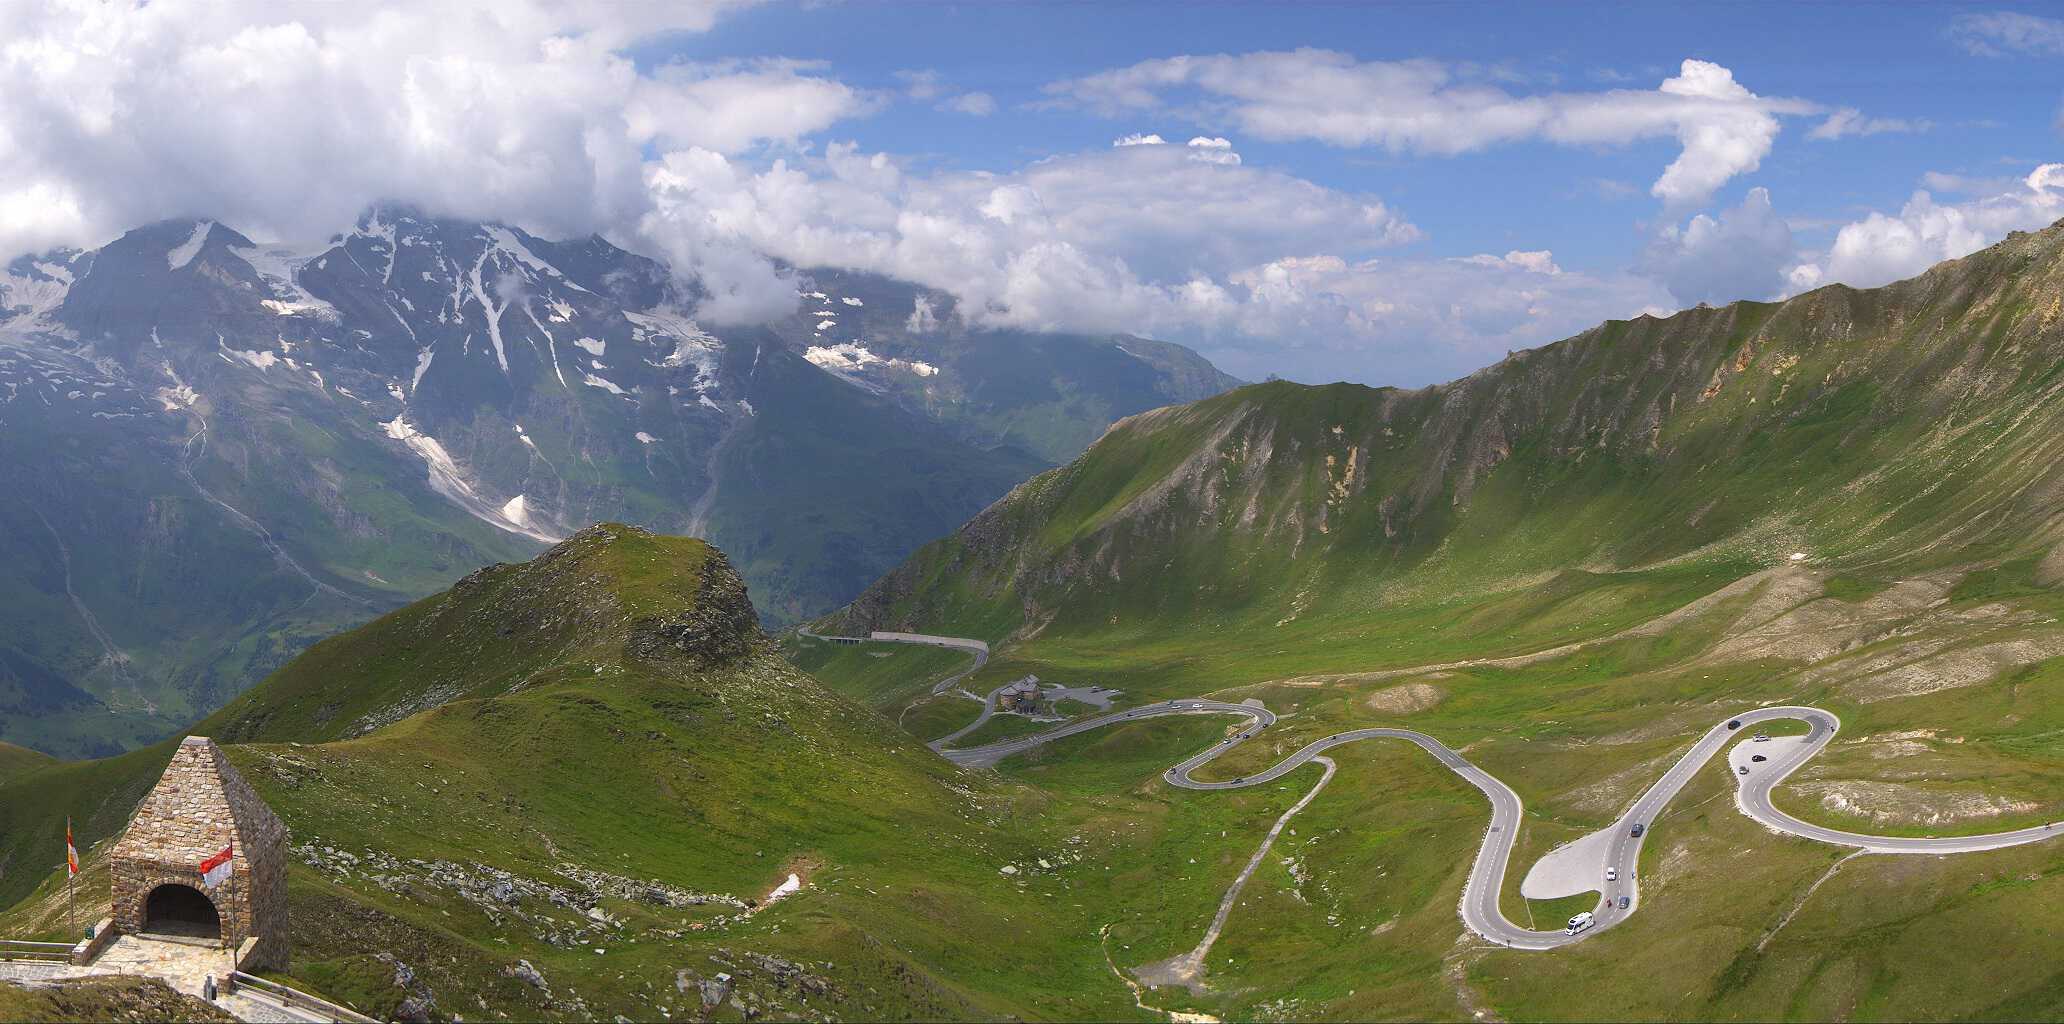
{"points": [[71, 871]]}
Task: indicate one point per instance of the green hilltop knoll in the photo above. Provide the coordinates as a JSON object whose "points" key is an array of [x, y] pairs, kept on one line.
{"points": [[1567, 566], [571, 788]]}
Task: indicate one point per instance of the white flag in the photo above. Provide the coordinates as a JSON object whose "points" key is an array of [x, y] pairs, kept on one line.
{"points": [[215, 870]]}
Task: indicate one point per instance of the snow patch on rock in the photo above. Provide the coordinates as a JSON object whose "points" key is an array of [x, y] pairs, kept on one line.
{"points": [[851, 357], [261, 360], [278, 266], [692, 346], [448, 480], [422, 366], [515, 511], [184, 252], [845, 357]]}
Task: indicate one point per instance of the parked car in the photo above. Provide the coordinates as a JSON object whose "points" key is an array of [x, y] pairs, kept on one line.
{"points": [[1762, 737], [1744, 769]]}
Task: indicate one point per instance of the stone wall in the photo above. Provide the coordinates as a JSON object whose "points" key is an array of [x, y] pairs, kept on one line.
{"points": [[200, 805]]}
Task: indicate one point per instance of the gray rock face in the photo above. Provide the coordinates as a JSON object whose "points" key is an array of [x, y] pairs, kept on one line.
{"points": [[715, 990], [719, 630], [527, 974]]}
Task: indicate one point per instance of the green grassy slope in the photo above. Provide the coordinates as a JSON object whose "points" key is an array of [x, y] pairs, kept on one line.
{"points": [[595, 763], [16, 760], [1914, 426], [1568, 565]]}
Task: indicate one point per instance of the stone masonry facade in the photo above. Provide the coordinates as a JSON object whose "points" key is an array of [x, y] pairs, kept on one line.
{"points": [[200, 805]]}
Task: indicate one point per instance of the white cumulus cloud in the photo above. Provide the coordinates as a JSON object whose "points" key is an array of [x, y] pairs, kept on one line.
{"points": [[287, 120], [1262, 271], [1095, 240], [1882, 248], [1741, 254], [729, 106], [1425, 106]]}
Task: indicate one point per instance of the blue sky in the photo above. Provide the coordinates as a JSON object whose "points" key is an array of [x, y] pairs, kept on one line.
{"points": [[1393, 194], [1992, 115]]}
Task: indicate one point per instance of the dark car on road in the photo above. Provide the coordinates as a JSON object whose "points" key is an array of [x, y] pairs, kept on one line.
{"points": [[1638, 829], [1736, 724], [1757, 757], [1623, 903]]}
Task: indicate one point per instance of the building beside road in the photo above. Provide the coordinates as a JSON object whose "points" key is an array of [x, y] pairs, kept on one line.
{"points": [[1021, 696]]}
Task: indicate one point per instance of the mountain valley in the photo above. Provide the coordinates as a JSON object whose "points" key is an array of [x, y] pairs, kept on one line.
{"points": [[587, 784]]}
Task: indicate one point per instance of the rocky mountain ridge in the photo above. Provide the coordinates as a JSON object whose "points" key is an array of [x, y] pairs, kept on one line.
{"points": [[306, 435], [1913, 424]]}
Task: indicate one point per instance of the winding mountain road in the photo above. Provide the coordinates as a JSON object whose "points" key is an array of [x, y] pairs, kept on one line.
{"points": [[1479, 907]]}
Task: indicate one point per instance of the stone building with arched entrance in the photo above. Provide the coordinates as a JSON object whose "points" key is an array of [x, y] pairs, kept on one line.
{"points": [[170, 876]]}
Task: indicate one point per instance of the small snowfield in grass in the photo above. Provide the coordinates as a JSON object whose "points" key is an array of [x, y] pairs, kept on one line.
{"points": [[794, 883]]}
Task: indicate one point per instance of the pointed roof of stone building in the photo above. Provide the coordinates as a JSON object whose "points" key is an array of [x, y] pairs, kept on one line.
{"points": [[200, 805]]}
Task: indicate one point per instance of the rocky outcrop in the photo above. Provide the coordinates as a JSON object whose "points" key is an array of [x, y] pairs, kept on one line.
{"points": [[719, 629]]}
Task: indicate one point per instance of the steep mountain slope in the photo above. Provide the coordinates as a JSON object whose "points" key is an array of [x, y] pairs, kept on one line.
{"points": [[1915, 425], [228, 449], [595, 764], [1568, 566]]}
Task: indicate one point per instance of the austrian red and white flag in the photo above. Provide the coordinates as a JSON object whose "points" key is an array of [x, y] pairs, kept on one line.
{"points": [[215, 870], [71, 852]]}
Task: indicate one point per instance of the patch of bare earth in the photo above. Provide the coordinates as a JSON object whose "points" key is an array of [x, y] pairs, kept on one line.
{"points": [[1932, 647], [1902, 745], [1894, 803], [1406, 699], [1819, 628], [1930, 666]]}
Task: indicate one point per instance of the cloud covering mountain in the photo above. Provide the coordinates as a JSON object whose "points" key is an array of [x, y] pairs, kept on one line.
{"points": [[1256, 241]]}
